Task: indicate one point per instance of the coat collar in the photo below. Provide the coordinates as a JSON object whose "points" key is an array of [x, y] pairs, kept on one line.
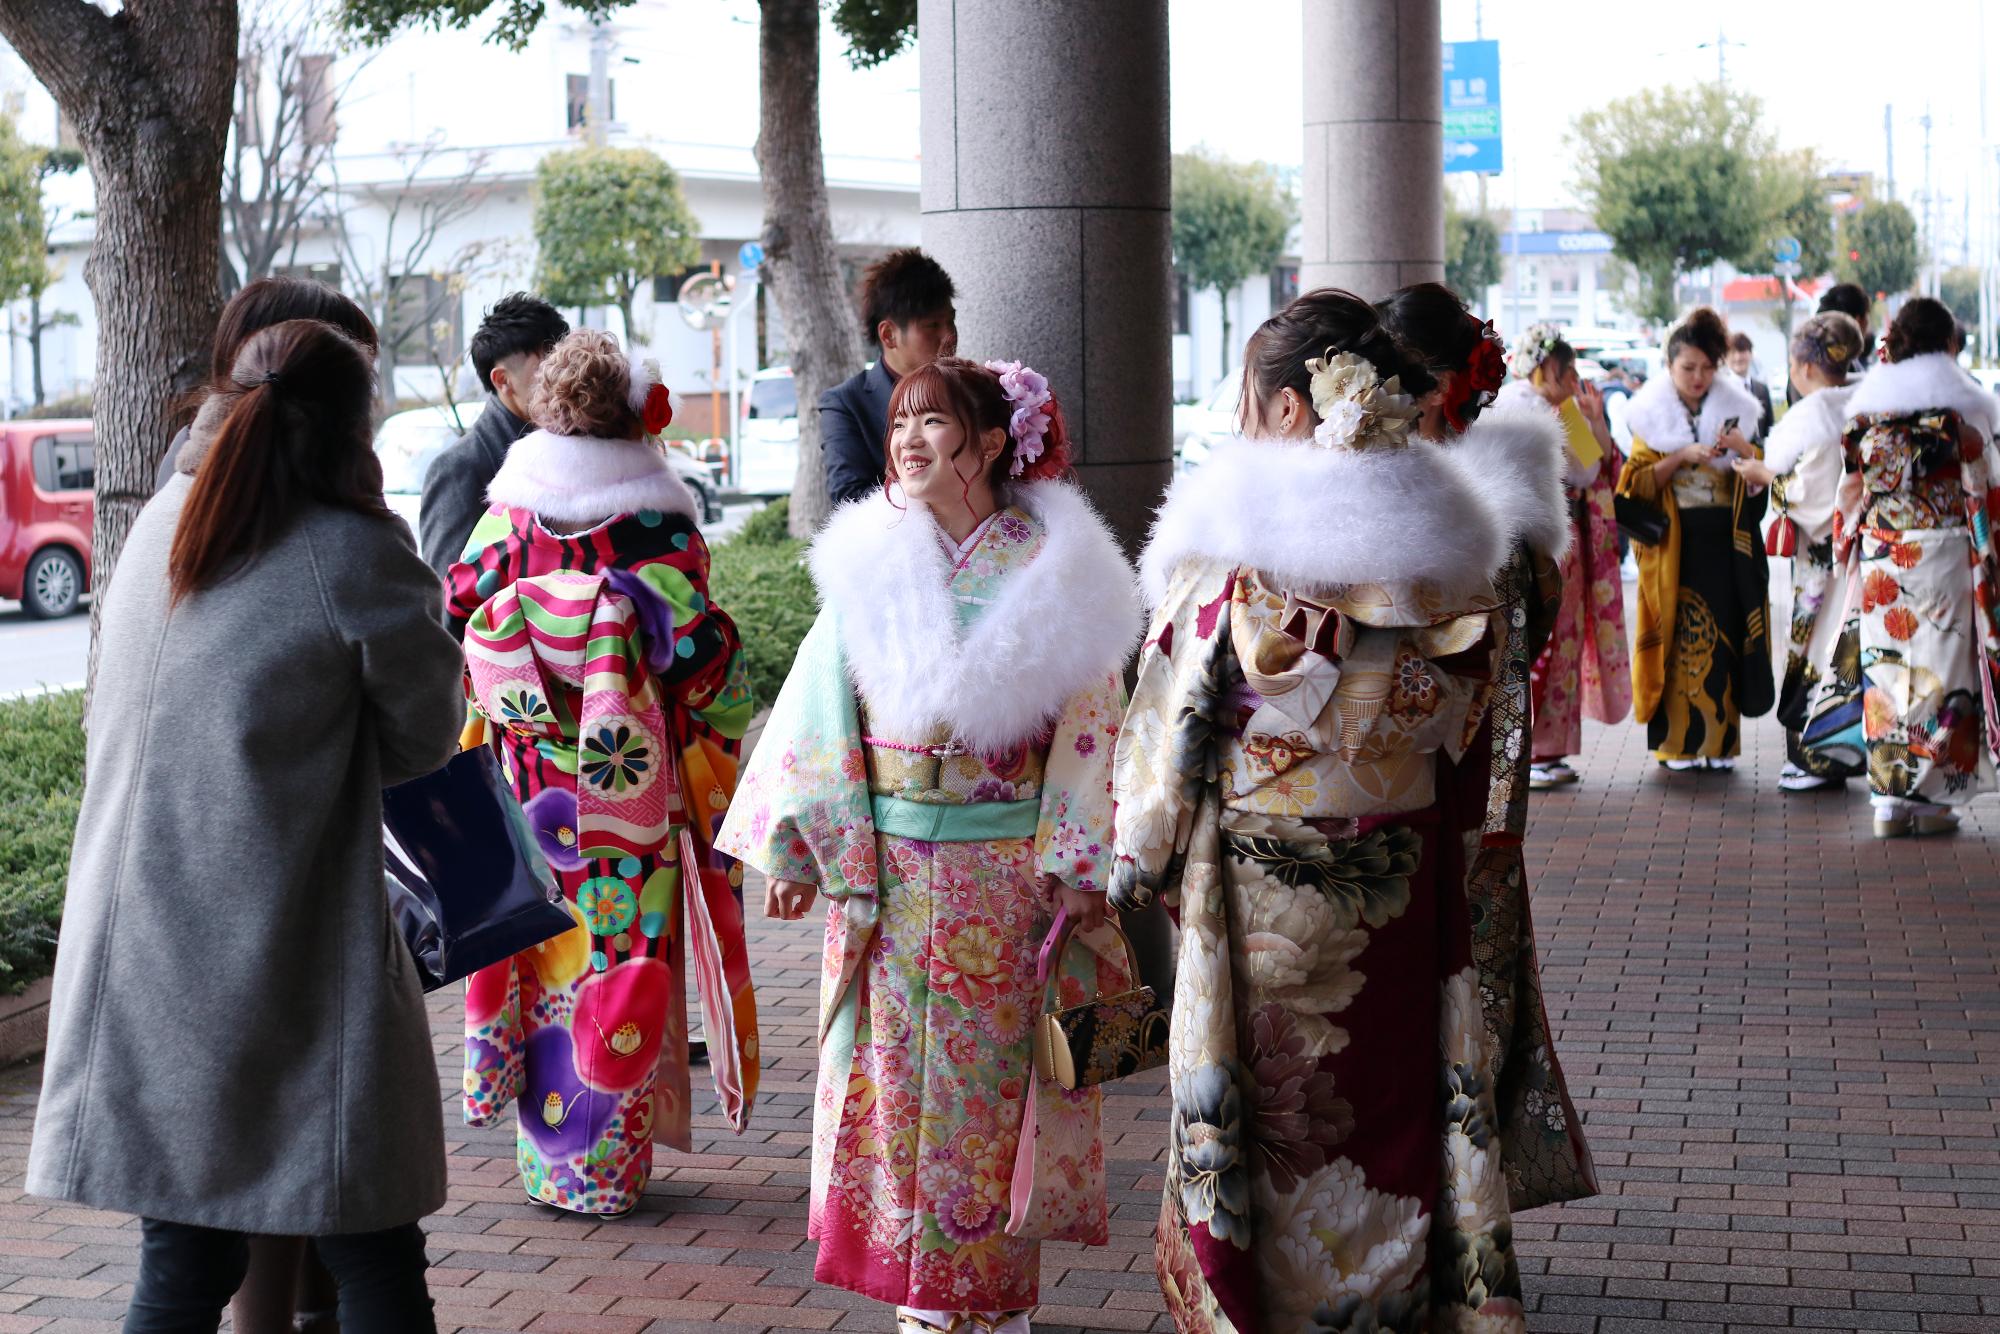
{"points": [[1060, 623], [1933, 381], [580, 480], [1323, 518], [1657, 416]]}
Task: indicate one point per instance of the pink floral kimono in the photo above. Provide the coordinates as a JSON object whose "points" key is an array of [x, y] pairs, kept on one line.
{"points": [[944, 741]]}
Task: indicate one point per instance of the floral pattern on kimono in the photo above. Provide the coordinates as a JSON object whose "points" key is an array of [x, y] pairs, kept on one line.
{"points": [[928, 987], [615, 695], [1276, 785], [1924, 565], [1585, 670]]}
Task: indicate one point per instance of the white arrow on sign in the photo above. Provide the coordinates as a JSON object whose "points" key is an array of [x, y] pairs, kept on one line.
{"points": [[1460, 148]]}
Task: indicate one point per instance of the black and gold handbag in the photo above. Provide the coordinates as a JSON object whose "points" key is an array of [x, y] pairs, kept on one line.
{"points": [[1106, 1038]]}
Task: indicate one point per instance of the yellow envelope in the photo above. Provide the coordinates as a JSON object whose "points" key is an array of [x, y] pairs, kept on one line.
{"points": [[1582, 442]]}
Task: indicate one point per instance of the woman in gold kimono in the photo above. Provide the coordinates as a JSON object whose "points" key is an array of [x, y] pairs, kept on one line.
{"points": [[1701, 661]]}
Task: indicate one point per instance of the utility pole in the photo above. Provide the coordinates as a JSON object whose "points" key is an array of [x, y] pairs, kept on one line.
{"points": [[599, 109], [1889, 141], [1930, 235], [1721, 59]]}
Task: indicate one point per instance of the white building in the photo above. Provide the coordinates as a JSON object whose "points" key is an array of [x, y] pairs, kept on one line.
{"points": [[683, 83]]}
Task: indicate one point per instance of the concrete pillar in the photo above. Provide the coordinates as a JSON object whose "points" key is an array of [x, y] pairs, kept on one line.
{"points": [[1373, 211], [1046, 195]]}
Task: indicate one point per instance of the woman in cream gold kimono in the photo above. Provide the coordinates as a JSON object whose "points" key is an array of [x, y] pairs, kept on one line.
{"points": [[938, 767], [1325, 633], [1802, 468]]}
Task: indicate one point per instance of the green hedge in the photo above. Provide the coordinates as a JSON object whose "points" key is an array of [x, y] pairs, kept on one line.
{"points": [[41, 787], [759, 577]]}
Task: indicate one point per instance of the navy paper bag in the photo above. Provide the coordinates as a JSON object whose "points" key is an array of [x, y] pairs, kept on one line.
{"points": [[467, 884]]}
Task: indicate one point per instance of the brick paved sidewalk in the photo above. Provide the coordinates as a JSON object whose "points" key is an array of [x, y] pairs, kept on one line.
{"points": [[1785, 1039]]}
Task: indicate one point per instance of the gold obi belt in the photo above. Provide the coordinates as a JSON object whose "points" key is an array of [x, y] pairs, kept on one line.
{"points": [[935, 789]]}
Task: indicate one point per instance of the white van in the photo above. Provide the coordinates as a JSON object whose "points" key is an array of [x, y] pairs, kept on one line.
{"points": [[767, 439]]}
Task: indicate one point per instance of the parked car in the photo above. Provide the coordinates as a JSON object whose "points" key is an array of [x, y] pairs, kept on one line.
{"points": [[1202, 426], [700, 478], [46, 508], [767, 439]]}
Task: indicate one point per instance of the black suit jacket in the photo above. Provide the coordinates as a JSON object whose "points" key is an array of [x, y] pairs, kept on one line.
{"points": [[455, 486], [854, 425]]}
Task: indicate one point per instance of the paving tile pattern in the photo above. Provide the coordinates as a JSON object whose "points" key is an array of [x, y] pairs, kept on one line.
{"points": [[1784, 1038]]}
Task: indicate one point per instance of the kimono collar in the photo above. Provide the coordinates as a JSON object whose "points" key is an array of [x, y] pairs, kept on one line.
{"points": [[581, 480], [1325, 518], [1932, 382], [1059, 622], [1657, 416]]}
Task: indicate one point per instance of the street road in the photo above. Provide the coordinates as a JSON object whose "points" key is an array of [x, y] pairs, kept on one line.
{"points": [[35, 654]]}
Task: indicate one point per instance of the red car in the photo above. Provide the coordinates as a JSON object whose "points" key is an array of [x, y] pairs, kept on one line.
{"points": [[46, 507]]}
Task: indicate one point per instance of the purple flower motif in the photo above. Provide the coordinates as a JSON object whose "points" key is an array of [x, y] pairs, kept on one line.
{"points": [[992, 789], [561, 1115], [1086, 744], [552, 815], [965, 1217]]}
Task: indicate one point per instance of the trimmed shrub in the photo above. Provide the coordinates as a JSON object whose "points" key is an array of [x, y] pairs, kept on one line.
{"points": [[759, 577], [41, 788]]}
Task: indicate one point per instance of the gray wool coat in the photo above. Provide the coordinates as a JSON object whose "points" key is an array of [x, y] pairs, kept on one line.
{"points": [[237, 1038]]}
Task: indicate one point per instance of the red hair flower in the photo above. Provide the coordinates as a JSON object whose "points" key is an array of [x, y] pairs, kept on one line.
{"points": [[658, 413]]}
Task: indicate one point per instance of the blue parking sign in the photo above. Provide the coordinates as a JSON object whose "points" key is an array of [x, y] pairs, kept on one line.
{"points": [[1472, 106]]}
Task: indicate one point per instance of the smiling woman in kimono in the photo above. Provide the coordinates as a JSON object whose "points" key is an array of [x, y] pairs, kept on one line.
{"points": [[617, 700], [938, 766], [1326, 629]]}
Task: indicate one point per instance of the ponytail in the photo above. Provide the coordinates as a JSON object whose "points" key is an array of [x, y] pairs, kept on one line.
{"points": [[295, 430]]}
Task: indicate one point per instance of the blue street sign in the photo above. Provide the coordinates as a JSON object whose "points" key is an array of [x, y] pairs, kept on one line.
{"points": [[1472, 106], [750, 256], [1786, 250]]}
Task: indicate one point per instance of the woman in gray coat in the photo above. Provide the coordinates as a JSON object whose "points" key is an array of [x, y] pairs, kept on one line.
{"points": [[238, 1043]]}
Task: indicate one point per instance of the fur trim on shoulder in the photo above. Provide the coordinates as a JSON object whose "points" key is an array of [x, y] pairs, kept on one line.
{"points": [[1319, 518], [1655, 414], [1931, 381], [1517, 449], [1813, 420], [582, 480], [1060, 625]]}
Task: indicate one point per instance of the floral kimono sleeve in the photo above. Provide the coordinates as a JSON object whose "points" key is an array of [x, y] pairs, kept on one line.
{"points": [[1163, 756], [696, 651], [482, 568], [1073, 837], [802, 810]]}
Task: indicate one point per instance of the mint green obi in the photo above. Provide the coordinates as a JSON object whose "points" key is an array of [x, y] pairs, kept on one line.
{"points": [[933, 789]]}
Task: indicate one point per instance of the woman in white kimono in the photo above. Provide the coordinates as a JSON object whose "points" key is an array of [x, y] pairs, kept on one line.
{"points": [[1325, 634], [1802, 468], [938, 766]]}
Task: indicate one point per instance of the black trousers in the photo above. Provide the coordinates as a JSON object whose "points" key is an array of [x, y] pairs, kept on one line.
{"points": [[187, 1275]]}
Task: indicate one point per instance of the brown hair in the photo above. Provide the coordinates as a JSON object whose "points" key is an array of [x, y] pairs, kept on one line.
{"points": [[1702, 330], [966, 392], [584, 389], [297, 430], [1829, 340], [1922, 325], [261, 304], [1322, 321]]}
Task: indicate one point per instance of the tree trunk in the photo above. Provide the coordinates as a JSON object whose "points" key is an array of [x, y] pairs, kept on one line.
{"points": [[149, 91], [35, 329], [1223, 297], [802, 265], [625, 295]]}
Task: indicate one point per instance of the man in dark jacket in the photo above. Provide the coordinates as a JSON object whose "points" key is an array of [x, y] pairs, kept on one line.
{"points": [[507, 354], [907, 312], [1742, 356]]}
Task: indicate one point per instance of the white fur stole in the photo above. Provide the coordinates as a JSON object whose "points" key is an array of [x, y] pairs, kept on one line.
{"points": [[565, 479], [1517, 451], [1657, 418], [1320, 518], [1060, 625], [1812, 422], [1932, 381]]}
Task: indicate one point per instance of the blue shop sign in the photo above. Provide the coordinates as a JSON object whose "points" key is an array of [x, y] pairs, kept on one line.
{"points": [[1472, 106]]}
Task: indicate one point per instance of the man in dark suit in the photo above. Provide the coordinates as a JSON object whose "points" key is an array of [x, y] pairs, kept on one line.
{"points": [[907, 313], [1742, 352], [507, 353]]}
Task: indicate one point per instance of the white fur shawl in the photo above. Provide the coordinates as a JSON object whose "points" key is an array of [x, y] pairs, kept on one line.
{"points": [[1319, 518], [580, 480], [1517, 449], [1812, 421], [1063, 623], [1656, 416], [1930, 381]]}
